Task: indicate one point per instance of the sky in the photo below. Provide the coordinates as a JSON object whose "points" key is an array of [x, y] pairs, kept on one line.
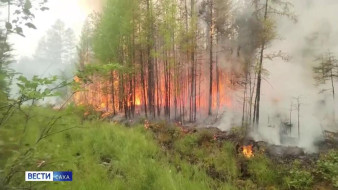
{"points": [[71, 12]]}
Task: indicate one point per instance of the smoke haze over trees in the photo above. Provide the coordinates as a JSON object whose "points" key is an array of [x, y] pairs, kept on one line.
{"points": [[184, 60], [55, 54], [169, 94]]}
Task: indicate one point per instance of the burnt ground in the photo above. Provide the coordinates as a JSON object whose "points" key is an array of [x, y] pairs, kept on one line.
{"points": [[279, 153], [166, 133]]}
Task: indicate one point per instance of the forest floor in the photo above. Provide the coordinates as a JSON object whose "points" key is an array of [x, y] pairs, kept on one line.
{"points": [[105, 155]]}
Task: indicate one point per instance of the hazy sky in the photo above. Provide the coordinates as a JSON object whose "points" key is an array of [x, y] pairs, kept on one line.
{"points": [[71, 12]]}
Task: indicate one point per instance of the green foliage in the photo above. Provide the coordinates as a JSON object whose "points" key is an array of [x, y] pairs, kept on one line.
{"points": [[29, 91], [327, 167], [100, 155], [297, 177], [101, 70], [165, 133], [262, 171], [114, 29], [204, 136], [225, 162], [326, 70], [186, 144], [23, 14], [36, 89], [5, 72], [218, 162], [238, 131]]}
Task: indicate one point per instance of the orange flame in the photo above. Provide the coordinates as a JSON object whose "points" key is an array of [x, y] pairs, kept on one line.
{"points": [[146, 124], [137, 101], [247, 151], [105, 96], [77, 79]]}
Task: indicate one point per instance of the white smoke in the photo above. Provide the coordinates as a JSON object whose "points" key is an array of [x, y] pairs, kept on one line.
{"points": [[313, 34]]}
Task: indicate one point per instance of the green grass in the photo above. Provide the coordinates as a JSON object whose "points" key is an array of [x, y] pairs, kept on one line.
{"points": [[100, 155], [103, 155], [263, 172]]}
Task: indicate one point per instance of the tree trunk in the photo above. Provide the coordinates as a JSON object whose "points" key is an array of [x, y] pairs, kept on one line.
{"points": [[151, 84], [333, 96], [211, 57], [259, 78], [143, 85]]}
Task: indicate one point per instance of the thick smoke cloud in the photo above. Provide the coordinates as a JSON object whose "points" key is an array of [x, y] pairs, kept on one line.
{"points": [[314, 33]]}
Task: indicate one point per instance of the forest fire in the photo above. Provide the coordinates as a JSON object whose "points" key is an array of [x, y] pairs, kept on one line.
{"points": [[137, 101], [106, 96], [247, 151]]}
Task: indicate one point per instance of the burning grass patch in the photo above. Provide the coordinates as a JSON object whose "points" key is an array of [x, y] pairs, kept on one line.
{"points": [[222, 157]]}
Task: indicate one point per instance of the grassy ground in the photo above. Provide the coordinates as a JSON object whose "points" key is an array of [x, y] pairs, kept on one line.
{"points": [[103, 155]]}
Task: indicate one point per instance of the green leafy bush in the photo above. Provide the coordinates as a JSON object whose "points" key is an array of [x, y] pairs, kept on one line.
{"points": [[299, 179], [225, 162], [186, 144], [327, 167], [262, 171]]}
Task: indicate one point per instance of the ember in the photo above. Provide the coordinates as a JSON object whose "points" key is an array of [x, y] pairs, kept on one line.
{"points": [[146, 124], [247, 151]]}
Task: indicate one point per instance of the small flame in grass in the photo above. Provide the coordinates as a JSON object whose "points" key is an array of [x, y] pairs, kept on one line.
{"points": [[146, 124], [247, 151], [77, 79]]}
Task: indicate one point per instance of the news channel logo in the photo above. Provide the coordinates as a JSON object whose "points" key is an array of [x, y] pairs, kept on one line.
{"points": [[48, 176]]}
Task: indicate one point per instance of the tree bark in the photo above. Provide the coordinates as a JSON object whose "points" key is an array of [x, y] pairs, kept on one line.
{"points": [[259, 78], [211, 57]]}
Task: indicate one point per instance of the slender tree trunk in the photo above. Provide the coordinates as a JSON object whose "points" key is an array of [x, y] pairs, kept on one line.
{"points": [[217, 78], [143, 85], [298, 119], [211, 57], [120, 92], [158, 106], [131, 102], [151, 86], [333, 96], [244, 99], [252, 89], [133, 80], [134, 95], [259, 78], [199, 86]]}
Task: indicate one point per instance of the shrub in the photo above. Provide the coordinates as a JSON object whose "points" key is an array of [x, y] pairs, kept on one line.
{"points": [[262, 171], [204, 137], [225, 162], [239, 132], [298, 179], [327, 167], [186, 144], [167, 134]]}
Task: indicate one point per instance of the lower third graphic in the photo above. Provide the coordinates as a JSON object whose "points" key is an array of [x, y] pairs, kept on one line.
{"points": [[48, 176]]}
